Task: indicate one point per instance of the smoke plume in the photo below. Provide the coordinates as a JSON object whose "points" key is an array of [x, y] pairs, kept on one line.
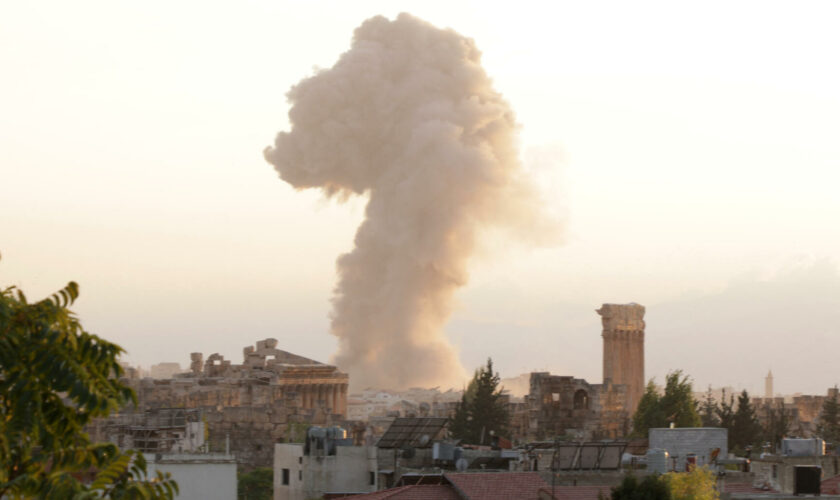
{"points": [[408, 117]]}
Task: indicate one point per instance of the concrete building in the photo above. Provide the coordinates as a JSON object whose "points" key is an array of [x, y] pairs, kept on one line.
{"points": [[803, 411], [777, 472], [624, 349], [326, 463], [199, 476], [164, 430], [703, 443]]}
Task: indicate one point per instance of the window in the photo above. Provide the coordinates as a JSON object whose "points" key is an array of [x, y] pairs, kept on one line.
{"points": [[286, 477], [555, 396], [300, 460], [372, 478], [581, 400], [300, 475]]}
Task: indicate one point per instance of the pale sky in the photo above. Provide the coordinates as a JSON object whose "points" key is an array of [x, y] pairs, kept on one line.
{"points": [[692, 148]]}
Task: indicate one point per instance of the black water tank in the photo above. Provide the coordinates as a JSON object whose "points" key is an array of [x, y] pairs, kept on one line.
{"points": [[806, 480]]}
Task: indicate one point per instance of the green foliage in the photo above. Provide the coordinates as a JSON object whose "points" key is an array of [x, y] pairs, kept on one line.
{"points": [[778, 425], [709, 411], [652, 487], [698, 484], [255, 485], [829, 424], [459, 426], [676, 406], [482, 409], [726, 416], [746, 430], [296, 432], [649, 414], [55, 377]]}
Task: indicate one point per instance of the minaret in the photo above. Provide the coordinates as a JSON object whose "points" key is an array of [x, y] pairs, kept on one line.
{"points": [[768, 385], [624, 348]]}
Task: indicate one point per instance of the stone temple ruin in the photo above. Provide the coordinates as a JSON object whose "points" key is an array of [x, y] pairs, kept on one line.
{"points": [[564, 405], [271, 397]]}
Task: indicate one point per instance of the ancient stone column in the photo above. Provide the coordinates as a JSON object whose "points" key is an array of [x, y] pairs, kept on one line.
{"points": [[299, 391], [624, 348], [334, 398]]}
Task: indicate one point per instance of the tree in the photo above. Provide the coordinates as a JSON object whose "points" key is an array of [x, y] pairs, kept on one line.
{"points": [[829, 424], [652, 487], [482, 412], [709, 410], [649, 413], [54, 378], [697, 484], [746, 429], [778, 424], [459, 426], [726, 416], [678, 402], [676, 406], [256, 485]]}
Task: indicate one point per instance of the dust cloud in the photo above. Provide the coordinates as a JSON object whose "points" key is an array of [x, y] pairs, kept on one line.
{"points": [[409, 118]]}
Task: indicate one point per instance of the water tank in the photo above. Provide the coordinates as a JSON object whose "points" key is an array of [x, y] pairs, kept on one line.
{"points": [[803, 447], [657, 460], [317, 432], [336, 432], [443, 451]]}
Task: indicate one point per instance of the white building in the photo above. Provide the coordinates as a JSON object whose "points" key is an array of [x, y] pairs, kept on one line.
{"points": [[323, 465], [701, 443], [203, 476]]}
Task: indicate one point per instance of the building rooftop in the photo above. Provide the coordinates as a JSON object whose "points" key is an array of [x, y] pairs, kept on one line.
{"points": [[497, 485], [413, 492], [577, 492]]}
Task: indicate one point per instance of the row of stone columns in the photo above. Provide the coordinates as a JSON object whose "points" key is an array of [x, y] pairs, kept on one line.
{"points": [[333, 396]]}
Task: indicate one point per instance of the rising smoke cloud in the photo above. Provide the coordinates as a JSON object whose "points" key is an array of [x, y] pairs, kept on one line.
{"points": [[409, 117]]}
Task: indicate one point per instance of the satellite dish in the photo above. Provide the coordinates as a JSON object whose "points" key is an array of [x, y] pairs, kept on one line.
{"points": [[424, 440], [461, 464]]}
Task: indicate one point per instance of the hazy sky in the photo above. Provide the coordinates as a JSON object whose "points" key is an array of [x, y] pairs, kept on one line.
{"points": [[692, 148]]}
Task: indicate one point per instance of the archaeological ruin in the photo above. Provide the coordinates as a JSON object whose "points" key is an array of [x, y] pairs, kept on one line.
{"points": [[572, 407], [624, 349], [273, 396], [568, 406]]}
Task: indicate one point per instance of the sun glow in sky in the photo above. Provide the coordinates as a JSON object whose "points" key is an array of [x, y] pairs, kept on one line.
{"points": [[692, 149]]}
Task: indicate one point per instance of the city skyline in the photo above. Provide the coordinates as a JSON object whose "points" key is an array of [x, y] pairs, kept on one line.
{"points": [[693, 156]]}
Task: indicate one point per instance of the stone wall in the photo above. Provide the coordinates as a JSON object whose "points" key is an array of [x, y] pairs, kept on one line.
{"points": [[564, 405], [273, 396]]}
